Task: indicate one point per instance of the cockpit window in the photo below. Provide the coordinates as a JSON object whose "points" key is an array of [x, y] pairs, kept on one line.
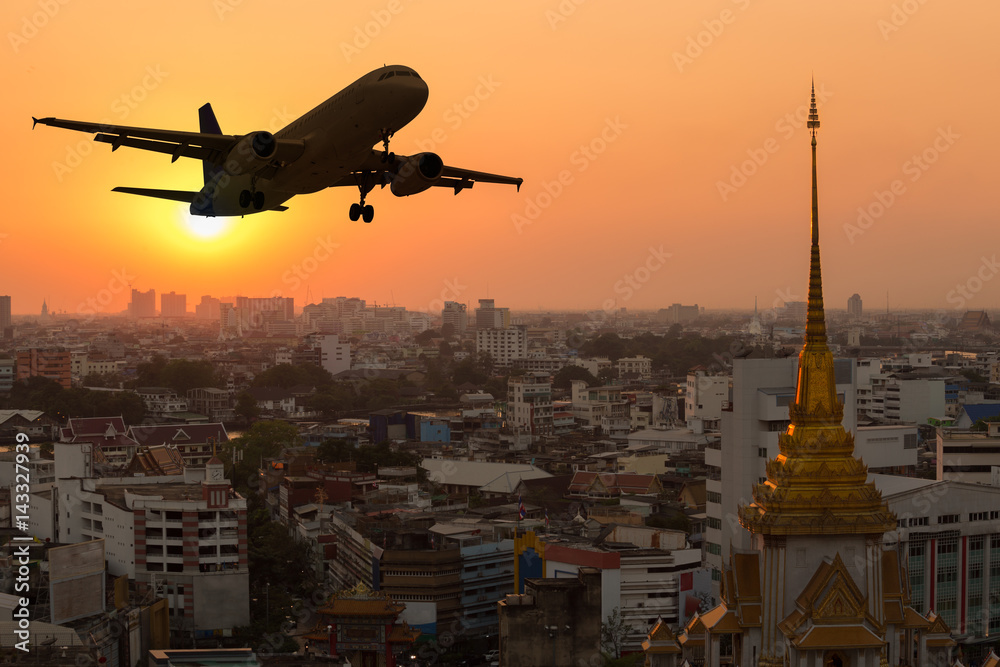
{"points": [[414, 75], [388, 75], [402, 72]]}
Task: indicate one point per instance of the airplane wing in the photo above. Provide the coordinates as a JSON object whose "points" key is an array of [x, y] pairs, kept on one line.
{"points": [[451, 177], [210, 147], [198, 145]]}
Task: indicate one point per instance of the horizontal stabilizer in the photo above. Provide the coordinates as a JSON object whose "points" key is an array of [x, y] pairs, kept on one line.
{"points": [[175, 195]]}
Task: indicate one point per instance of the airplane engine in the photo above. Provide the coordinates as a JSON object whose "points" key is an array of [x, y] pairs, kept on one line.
{"points": [[418, 173], [252, 153]]}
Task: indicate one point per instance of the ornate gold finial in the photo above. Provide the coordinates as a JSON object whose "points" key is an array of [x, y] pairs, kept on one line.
{"points": [[816, 485]]}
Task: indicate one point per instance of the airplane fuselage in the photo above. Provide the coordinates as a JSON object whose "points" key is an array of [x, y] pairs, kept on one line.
{"points": [[338, 134]]}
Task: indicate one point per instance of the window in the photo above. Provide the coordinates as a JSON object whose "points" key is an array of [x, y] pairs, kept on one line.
{"points": [[948, 518]]}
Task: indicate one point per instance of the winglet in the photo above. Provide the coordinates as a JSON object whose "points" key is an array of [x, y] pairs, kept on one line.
{"points": [[519, 181], [34, 122]]}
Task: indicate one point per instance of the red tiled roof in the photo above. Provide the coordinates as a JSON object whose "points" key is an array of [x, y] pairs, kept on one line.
{"points": [[77, 426]]}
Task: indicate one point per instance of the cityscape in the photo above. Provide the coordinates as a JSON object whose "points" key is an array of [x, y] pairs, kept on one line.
{"points": [[595, 420]]}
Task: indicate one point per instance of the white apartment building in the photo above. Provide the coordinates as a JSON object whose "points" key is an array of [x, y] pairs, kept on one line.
{"points": [[968, 456], [456, 314], [503, 345], [184, 535], [635, 367], [602, 407], [914, 399], [705, 395]]}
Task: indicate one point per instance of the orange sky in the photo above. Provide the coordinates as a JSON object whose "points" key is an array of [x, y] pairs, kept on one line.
{"points": [[686, 91]]}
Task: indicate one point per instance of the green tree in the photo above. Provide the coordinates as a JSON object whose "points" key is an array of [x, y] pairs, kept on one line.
{"points": [[425, 337], [264, 440], [289, 375]]}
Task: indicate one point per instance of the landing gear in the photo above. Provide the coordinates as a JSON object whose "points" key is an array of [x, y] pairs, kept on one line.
{"points": [[258, 200], [386, 155], [366, 181], [245, 198], [364, 211]]}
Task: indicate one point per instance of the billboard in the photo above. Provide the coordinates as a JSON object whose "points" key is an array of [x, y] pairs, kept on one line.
{"points": [[76, 581]]}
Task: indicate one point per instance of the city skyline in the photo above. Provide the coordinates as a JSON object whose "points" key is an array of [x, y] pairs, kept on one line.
{"points": [[697, 152]]}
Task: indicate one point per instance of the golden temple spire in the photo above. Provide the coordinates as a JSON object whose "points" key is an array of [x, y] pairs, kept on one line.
{"points": [[815, 485]]}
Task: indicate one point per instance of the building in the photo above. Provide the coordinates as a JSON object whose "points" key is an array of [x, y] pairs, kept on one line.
{"points": [[5, 316], [705, 395], [162, 401], [488, 316], [817, 587], [678, 314], [143, 304], [949, 534], [968, 456], [53, 363], [503, 345], [454, 313], [195, 442], [173, 305], [555, 622], [910, 398], [216, 404], [361, 625], [207, 309], [183, 538], [529, 404], [635, 368], [603, 408], [854, 310], [7, 372], [108, 434], [325, 351]]}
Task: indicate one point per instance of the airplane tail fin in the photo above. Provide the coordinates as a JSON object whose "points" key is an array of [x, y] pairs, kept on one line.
{"points": [[208, 124]]}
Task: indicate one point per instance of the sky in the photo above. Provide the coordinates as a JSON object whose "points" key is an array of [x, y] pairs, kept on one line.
{"points": [[662, 147]]}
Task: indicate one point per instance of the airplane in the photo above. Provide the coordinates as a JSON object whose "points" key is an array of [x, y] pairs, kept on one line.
{"points": [[330, 146]]}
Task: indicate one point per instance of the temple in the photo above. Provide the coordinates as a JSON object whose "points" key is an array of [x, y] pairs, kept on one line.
{"points": [[818, 588], [361, 625]]}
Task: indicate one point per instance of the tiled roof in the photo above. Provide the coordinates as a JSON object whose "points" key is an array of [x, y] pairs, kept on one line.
{"points": [[164, 434], [94, 425]]}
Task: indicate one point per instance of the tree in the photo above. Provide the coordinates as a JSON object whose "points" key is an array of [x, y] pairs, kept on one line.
{"points": [[246, 407], [614, 632], [425, 337], [566, 375], [264, 440]]}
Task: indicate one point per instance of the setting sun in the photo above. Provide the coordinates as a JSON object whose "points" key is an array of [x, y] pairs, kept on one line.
{"points": [[203, 227]]}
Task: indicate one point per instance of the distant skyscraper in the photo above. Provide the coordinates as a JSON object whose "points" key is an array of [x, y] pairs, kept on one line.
{"points": [[143, 304], [208, 309], [455, 314], [854, 306], [173, 305], [488, 316], [45, 310], [5, 320]]}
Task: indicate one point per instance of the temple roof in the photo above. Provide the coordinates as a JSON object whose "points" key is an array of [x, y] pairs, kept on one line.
{"points": [[838, 636], [661, 640], [815, 486], [361, 601]]}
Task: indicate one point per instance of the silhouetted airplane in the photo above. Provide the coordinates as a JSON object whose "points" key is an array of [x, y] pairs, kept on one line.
{"points": [[331, 146]]}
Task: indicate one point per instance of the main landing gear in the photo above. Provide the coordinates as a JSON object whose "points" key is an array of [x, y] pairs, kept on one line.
{"points": [[366, 181], [251, 196]]}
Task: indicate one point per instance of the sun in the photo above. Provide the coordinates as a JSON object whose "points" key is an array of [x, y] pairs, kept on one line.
{"points": [[204, 227]]}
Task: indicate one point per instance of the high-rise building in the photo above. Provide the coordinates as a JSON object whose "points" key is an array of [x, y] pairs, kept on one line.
{"points": [[257, 312], [50, 362], [143, 304], [454, 313], [854, 306], [5, 319], [173, 305], [488, 316], [503, 345], [208, 309]]}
